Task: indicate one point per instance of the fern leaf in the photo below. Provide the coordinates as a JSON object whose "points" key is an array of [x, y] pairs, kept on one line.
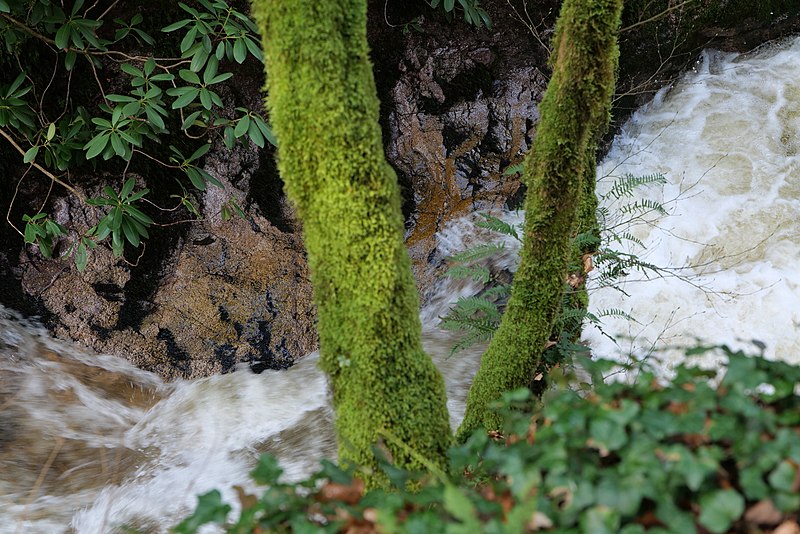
{"points": [[479, 273], [497, 225], [477, 253]]}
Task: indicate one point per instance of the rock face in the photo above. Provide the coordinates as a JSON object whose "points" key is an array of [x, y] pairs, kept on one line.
{"points": [[459, 106], [462, 111], [217, 294]]}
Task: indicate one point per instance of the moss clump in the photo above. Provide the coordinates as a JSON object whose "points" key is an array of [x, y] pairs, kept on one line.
{"points": [[575, 107], [324, 111]]}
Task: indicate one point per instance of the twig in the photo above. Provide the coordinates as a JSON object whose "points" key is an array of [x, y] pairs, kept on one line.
{"points": [[655, 17], [42, 474], [44, 171]]}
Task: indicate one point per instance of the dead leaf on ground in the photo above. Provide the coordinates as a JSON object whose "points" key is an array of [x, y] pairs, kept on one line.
{"points": [[763, 513], [787, 527], [346, 493]]}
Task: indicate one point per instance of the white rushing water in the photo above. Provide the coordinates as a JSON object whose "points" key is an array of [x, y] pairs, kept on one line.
{"points": [[89, 443], [727, 139]]}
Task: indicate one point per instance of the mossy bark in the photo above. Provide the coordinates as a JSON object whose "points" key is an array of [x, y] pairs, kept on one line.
{"points": [[575, 106], [324, 110]]}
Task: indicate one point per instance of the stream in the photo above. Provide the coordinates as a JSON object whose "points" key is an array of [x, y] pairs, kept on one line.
{"points": [[90, 444]]}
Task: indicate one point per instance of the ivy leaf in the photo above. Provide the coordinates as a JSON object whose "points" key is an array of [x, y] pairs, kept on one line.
{"points": [[267, 471], [719, 509], [210, 509]]}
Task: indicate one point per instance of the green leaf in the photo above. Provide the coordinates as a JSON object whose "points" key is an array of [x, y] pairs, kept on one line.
{"points": [[265, 130], [782, 477], [186, 98], [30, 233], [176, 25], [600, 520], [255, 134], [189, 121], [460, 507], [240, 50], [4, 8], [62, 36], [117, 145], [81, 257], [241, 126], [138, 214], [130, 232], [69, 60], [448, 5], [200, 152], [211, 70], [96, 145], [210, 509], [195, 178], [199, 59], [130, 69], [254, 49], [719, 509], [267, 471], [30, 155], [188, 39], [205, 98], [189, 76], [127, 188]]}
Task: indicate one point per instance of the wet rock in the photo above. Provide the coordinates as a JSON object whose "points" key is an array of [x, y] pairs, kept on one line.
{"points": [[462, 111], [200, 296]]}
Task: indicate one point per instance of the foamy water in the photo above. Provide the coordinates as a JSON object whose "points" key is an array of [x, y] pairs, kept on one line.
{"points": [[89, 444], [726, 139]]}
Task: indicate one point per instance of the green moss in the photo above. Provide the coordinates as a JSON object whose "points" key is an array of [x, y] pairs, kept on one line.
{"points": [[575, 106], [324, 111]]}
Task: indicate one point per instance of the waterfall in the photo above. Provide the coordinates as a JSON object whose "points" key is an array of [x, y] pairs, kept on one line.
{"points": [[89, 443], [726, 137]]}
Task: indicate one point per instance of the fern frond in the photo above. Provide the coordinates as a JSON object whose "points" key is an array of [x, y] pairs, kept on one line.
{"points": [[479, 273], [586, 240], [614, 312], [497, 225], [477, 253], [466, 307], [642, 206], [624, 186], [498, 291]]}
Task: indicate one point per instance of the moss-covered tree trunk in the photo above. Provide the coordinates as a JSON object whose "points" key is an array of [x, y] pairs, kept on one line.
{"points": [[575, 106], [323, 107], [324, 110]]}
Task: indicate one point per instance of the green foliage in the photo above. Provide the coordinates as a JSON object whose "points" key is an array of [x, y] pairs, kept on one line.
{"points": [[75, 118], [124, 221], [41, 230], [473, 13], [650, 456], [479, 316]]}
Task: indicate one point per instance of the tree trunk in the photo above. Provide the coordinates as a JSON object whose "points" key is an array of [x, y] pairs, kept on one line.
{"points": [[324, 110], [575, 107]]}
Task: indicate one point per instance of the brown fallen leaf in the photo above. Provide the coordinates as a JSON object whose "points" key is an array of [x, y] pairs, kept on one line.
{"points": [[247, 501], [787, 527], [588, 265], [346, 493], [763, 513]]}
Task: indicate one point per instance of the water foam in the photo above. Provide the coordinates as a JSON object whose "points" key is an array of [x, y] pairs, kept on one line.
{"points": [[726, 138]]}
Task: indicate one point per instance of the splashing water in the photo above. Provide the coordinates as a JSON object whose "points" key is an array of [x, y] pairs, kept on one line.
{"points": [[726, 137], [89, 444]]}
